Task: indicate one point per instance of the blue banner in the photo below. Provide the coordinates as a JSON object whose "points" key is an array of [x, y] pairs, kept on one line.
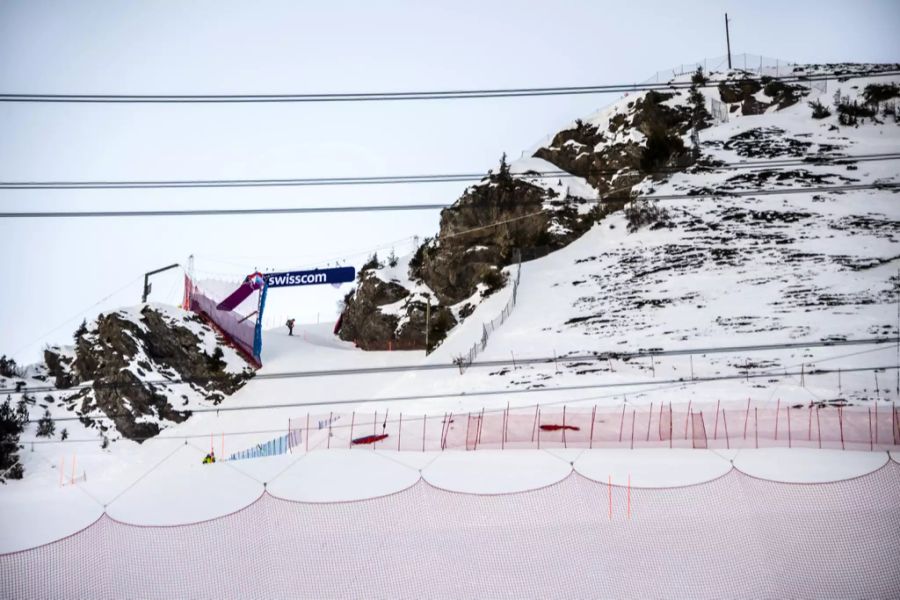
{"points": [[333, 276]]}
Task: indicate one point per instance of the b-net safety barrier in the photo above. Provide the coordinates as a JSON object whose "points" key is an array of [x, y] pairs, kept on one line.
{"points": [[734, 537], [239, 326], [655, 426]]}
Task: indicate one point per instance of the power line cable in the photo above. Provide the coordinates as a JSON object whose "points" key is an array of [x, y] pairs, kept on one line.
{"points": [[463, 395], [409, 179], [482, 364], [702, 193], [420, 95]]}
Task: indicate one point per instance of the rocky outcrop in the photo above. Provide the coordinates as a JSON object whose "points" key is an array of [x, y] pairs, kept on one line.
{"points": [[128, 364]]}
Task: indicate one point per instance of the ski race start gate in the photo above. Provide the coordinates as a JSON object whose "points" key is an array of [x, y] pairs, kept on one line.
{"points": [[237, 314]]}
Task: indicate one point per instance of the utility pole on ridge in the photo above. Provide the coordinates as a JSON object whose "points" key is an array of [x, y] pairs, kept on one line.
{"points": [[728, 41]]}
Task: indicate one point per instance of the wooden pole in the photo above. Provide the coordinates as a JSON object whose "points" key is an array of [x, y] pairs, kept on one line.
{"points": [[633, 415], [716, 426], [777, 412], [725, 424], [593, 419], [819, 427], [328, 443], [352, 423]]}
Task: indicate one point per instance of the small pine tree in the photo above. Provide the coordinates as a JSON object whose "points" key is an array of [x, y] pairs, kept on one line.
{"points": [[392, 259], [216, 361], [372, 263], [698, 78], [46, 426], [11, 425], [504, 168], [64, 434]]}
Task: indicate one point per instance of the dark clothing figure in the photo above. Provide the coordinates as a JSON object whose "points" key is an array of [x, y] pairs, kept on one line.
{"points": [[290, 326]]}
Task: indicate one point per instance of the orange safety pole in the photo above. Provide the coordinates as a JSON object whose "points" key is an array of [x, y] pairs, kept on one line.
{"points": [[564, 427], [307, 431], [74, 457], [628, 509], [223, 446], [211, 447], [609, 487], [62, 467]]}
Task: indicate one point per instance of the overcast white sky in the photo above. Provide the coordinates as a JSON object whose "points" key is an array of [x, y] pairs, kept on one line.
{"points": [[52, 270]]}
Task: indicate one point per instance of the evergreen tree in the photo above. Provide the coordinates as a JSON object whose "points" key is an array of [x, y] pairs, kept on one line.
{"points": [[11, 425], [504, 168], [64, 434], [216, 361], [82, 329], [46, 426]]}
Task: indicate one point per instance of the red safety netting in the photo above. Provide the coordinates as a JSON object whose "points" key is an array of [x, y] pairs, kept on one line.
{"points": [[735, 536], [769, 425], [239, 325]]}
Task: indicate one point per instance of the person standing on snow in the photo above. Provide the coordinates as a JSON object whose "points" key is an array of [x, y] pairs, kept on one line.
{"points": [[290, 326]]}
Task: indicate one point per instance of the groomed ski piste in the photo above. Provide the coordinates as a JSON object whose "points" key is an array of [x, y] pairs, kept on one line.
{"points": [[778, 309]]}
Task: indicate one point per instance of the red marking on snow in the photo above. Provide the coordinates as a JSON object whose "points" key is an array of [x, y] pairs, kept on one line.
{"points": [[370, 439], [551, 427]]}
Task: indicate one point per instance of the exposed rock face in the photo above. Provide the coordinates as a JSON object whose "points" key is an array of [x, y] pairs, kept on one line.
{"points": [[128, 365], [639, 138]]}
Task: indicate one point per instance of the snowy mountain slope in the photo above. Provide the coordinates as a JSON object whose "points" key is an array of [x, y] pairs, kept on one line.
{"points": [[719, 271]]}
